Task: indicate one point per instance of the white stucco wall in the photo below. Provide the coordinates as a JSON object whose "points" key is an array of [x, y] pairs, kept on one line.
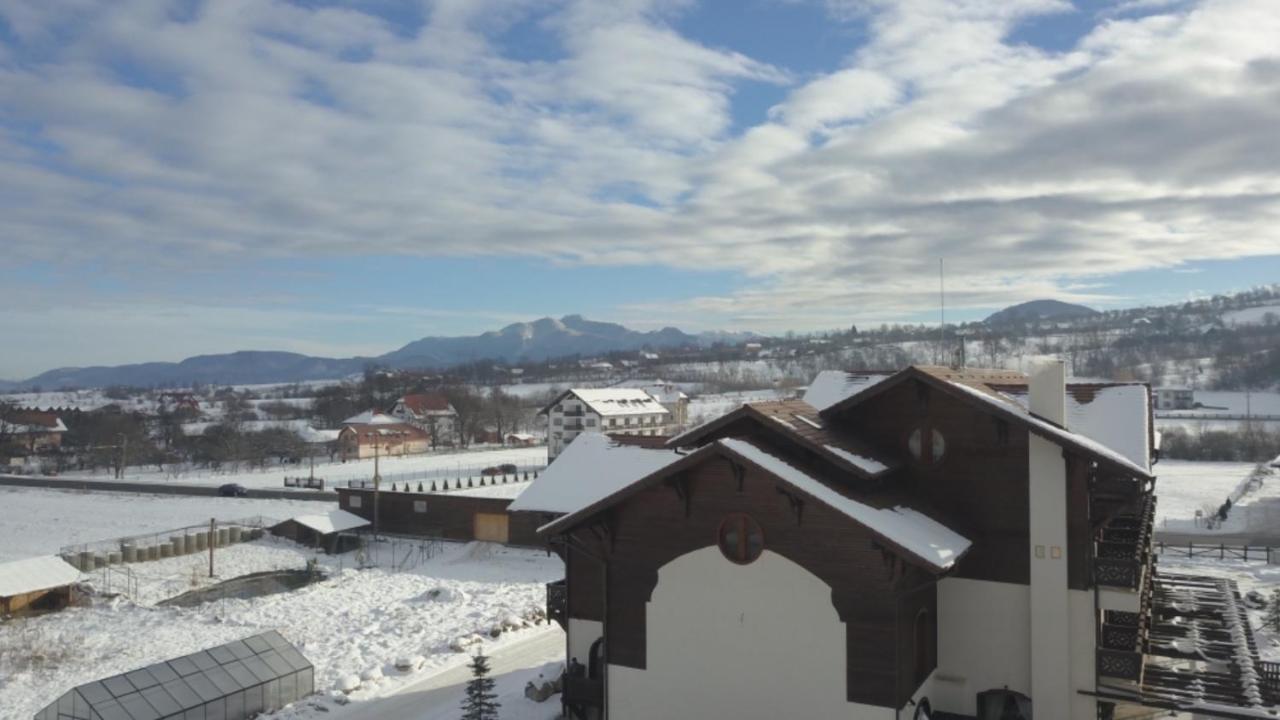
{"points": [[1083, 645], [759, 641], [582, 633], [1050, 618], [984, 642]]}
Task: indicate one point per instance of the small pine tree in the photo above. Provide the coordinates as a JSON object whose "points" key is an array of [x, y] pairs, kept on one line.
{"points": [[1272, 619], [481, 702]]}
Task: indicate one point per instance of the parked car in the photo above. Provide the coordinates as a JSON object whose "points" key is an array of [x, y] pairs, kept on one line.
{"points": [[504, 469], [233, 490]]}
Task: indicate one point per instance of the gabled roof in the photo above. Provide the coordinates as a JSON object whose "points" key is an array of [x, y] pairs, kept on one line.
{"points": [[902, 528], [33, 422], [612, 401], [592, 467], [832, 386], [422, 403], [18, 577], [331, 522], [979, 387], [799, 421], [364, 431]]}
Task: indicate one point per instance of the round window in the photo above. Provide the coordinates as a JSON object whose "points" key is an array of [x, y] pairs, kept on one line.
{"points": [[926, 445], [741, 539]]}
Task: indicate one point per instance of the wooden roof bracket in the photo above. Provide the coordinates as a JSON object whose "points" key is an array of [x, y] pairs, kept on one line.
{"points": [[795, 501], [680, 483]]}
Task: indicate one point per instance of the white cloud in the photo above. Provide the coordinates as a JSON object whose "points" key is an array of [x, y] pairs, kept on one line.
{"points": [[259, 129]]}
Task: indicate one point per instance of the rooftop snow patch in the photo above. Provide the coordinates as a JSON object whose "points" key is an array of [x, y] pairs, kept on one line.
{"points": [[911, 530], [331, 522], [832, 386], [1113, 415], [592, 468], [19, 577], [1048, 430], [618, 401], [370, 417]]}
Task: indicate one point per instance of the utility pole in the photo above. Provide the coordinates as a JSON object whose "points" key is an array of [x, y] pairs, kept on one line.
{"points": [[213, 540], [377, 485]]}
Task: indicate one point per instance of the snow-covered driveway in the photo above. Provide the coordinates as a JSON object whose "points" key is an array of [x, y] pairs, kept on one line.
{"points": [[438, 696]]}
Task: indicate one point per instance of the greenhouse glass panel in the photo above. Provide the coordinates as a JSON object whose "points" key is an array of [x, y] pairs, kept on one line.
{"points": [[235, 681]]}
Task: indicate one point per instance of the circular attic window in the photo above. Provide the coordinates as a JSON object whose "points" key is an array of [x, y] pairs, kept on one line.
{"points": [[741, 539], [926, 445]]}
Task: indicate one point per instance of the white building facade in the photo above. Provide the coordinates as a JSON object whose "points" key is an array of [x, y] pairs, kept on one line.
{"points": [[618, 411]]}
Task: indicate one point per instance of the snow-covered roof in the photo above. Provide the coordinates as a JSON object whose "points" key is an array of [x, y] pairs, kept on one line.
{"points": [[29, 575], [1048, 430], [371, 417], [331, 522], [589, 470], [312, 435], [914, 532], [910, 529], [616, 401], [1113, 415], [832, 386]]}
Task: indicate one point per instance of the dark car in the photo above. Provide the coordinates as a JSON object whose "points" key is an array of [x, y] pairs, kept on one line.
{"points": [[233, 490]]}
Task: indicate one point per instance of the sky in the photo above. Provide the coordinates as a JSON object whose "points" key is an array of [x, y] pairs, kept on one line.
{"points": [[180, 177]]}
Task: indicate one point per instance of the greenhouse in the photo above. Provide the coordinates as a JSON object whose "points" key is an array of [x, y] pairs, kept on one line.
{"points": [[229, 682]]}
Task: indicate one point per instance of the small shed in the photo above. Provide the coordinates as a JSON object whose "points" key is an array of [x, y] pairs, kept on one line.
{"points": [[322, 530], [39, 583], [236, 681], [521, 440]]}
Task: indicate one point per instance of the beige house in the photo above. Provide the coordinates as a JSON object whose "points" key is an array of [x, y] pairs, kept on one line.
{"points": [[369, 434]]}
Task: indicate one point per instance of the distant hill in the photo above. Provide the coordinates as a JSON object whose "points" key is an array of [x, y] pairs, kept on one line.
{"points": [[543, 339], [1039, 310]]}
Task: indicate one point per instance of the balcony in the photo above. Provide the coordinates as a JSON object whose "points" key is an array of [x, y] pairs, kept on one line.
{"points": [[558, 602], [1122, 548], [574, 413]]}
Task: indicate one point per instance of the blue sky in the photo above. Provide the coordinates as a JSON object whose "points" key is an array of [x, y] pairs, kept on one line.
{"points": [[337, 178]]}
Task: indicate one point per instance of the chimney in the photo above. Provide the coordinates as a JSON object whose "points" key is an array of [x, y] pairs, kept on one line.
{"points": [[1047, 391]]}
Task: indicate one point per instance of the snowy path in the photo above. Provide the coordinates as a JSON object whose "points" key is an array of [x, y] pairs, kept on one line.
{"points": [[437, 697]]}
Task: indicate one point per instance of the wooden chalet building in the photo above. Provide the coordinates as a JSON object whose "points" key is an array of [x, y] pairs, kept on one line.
{"points": [[930, 542]]}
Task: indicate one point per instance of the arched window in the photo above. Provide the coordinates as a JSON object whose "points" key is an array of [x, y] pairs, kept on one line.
{"points": [[740, 538], [926, 445]]}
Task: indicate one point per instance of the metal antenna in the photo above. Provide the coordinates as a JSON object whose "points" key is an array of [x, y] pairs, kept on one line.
{"points": [[942, 313]]}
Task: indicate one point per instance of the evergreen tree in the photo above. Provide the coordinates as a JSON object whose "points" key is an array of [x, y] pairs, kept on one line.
{"points": [[481, 702]]}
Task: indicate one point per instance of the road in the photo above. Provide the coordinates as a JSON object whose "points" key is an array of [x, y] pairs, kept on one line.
{"points": [[1253, 539], [158, 488], [437, 697]]}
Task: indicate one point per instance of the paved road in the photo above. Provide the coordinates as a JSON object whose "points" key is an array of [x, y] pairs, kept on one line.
{"points": [[438, 695], [157, 488]]}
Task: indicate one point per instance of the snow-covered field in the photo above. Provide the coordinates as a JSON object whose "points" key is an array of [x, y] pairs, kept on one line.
{"points": [[407, 467], [1184, 487], [39, 522], [357, 622], [709, 407]]}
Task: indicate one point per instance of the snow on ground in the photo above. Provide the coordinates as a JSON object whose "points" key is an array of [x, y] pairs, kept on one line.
{"points": [[1225, 402], [396, 468], [1252, 316], [36, 521], [352, 623], [1183, 487], [1252, 575]]}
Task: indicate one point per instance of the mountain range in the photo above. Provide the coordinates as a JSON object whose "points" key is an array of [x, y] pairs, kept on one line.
{"points": [[543, 339]]}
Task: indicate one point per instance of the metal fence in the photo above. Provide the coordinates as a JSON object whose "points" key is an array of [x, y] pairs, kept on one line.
{"points": [[453, 475], [392, 551], [1221, 551], [446, 484], [118, 546]]}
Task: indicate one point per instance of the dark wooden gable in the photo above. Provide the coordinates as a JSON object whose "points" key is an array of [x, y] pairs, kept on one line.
{"points": [[979, 488], [872, 588]]}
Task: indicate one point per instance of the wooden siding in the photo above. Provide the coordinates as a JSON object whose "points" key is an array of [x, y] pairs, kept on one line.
{"points": [[980, 486], [656, 526], [451, 517]]}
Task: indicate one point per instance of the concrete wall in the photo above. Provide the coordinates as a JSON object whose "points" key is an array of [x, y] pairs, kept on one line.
{"points": [[1050, 620], [984, 642], [738, 641]]}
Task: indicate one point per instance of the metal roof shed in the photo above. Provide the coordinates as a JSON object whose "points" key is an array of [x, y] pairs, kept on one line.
{"points": [[235, 681]]}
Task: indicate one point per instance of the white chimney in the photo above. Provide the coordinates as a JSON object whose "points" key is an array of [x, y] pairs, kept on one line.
{"points": [[1047, 391]]}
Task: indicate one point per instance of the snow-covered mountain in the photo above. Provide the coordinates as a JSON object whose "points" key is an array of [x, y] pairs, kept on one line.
{"points": [[543, 339]]}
